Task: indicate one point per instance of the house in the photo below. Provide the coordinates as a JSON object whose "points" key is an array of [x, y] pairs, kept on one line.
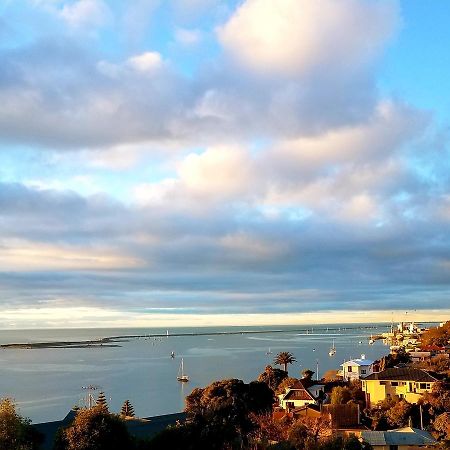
{"points": [[405, 382], [356, 369], [401, 439], [296, 396]]}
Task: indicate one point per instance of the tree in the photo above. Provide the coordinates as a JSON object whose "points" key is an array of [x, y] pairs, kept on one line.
{"points": [[283, 359], [340, 395], [16, 433], [272, 377], [127, 409], [307, 374], [307, 432], [286, 383], [437, 336], [398, 415], [101, 401], [222, 409], [95, 429], [441, 426]]}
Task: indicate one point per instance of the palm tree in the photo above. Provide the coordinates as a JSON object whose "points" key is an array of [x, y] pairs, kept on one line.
{"points": [[283, 359]]}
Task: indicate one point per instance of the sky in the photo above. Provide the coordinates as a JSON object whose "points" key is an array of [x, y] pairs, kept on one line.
{"points": [[220, 162]]}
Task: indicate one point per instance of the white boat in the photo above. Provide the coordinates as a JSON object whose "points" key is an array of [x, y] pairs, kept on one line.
{"points": [[181, 375], [332, 351], [371, 340], [269, 352]]}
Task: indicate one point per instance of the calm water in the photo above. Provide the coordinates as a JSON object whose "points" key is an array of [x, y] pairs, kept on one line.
{"points": [[46, 383]]}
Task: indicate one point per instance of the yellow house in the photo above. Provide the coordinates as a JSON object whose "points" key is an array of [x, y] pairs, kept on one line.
{"points": [[403, 382]]}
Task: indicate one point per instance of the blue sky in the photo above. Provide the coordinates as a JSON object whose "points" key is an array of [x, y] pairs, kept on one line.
{"points": [[216, 162]]}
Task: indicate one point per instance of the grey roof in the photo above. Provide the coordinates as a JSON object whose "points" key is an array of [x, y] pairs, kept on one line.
{"points": [[401, 436], [403, 373]]}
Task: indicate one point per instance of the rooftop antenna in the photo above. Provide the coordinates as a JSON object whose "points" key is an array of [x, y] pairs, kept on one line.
{"points": [[90, 389]]}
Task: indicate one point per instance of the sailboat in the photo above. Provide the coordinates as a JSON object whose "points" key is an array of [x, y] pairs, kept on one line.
{"points": [[332, 351], [371, 340], [269, 352], [181, 375]]}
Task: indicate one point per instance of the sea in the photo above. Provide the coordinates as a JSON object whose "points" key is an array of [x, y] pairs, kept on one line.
{"points": [[46, 383]]}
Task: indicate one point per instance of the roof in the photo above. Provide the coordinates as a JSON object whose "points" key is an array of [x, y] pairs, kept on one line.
{"points": [[298, 394], [404, 374], [358, 362], [401, 436]]}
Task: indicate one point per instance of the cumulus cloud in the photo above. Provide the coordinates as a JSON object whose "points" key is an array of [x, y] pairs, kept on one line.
{"points": [[295, 37], [272, 178]]}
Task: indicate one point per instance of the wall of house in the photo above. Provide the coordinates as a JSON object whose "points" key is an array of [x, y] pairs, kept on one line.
{"points": [[380, 390]]}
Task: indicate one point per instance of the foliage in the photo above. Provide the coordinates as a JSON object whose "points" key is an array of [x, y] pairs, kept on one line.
{"points": [[101, 401], [127, 409], [393, 359], [283, 359], [286, 383], [95, 429], [272, 377], [307, 432], [398, 415], [343, 443], [308, 374], [441, 426], [268, 429], [340, 395], [437, 336], [438, 398], [222, 409], [16, 433], [438, 364], [390, 413]]}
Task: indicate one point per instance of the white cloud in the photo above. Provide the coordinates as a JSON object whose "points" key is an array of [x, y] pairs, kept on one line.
{"points": [[146, 62], [297, 36], [85, 13]]}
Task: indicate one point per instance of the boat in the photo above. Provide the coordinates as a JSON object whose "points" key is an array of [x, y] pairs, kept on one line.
{"points": [[269, 352], [332, 351], [182, 377], [371, 340], [172, 355]]}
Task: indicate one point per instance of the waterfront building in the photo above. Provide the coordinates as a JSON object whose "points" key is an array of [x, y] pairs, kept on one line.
{"points": [[407, 383], [356, 369]]}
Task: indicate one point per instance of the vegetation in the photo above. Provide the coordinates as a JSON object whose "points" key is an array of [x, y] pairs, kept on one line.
{"points": [[272, 377], [439, 364], [286, 383], [16, 433], [101, 401], [94, 429], [283, 359], [437, 336], [127, 409]]}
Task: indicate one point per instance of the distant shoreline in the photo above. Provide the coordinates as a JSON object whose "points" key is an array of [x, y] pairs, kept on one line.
{"points": [[114, 341]]}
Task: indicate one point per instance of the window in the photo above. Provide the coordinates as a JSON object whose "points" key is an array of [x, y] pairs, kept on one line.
{"points": [[349, 369], [394, 383], [425, 386], [363, 371], [383, 383], [402, 395]]}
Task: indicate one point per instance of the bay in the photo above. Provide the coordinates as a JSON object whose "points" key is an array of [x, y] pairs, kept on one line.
{"points": [[46, 382]]}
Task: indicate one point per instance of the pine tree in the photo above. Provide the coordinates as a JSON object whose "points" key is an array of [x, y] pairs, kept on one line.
{"points": [[127, 409], [101, 401]]}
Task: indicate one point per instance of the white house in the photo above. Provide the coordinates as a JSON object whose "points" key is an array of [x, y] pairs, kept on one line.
{"points": [[296, 396], [357, 368]]}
